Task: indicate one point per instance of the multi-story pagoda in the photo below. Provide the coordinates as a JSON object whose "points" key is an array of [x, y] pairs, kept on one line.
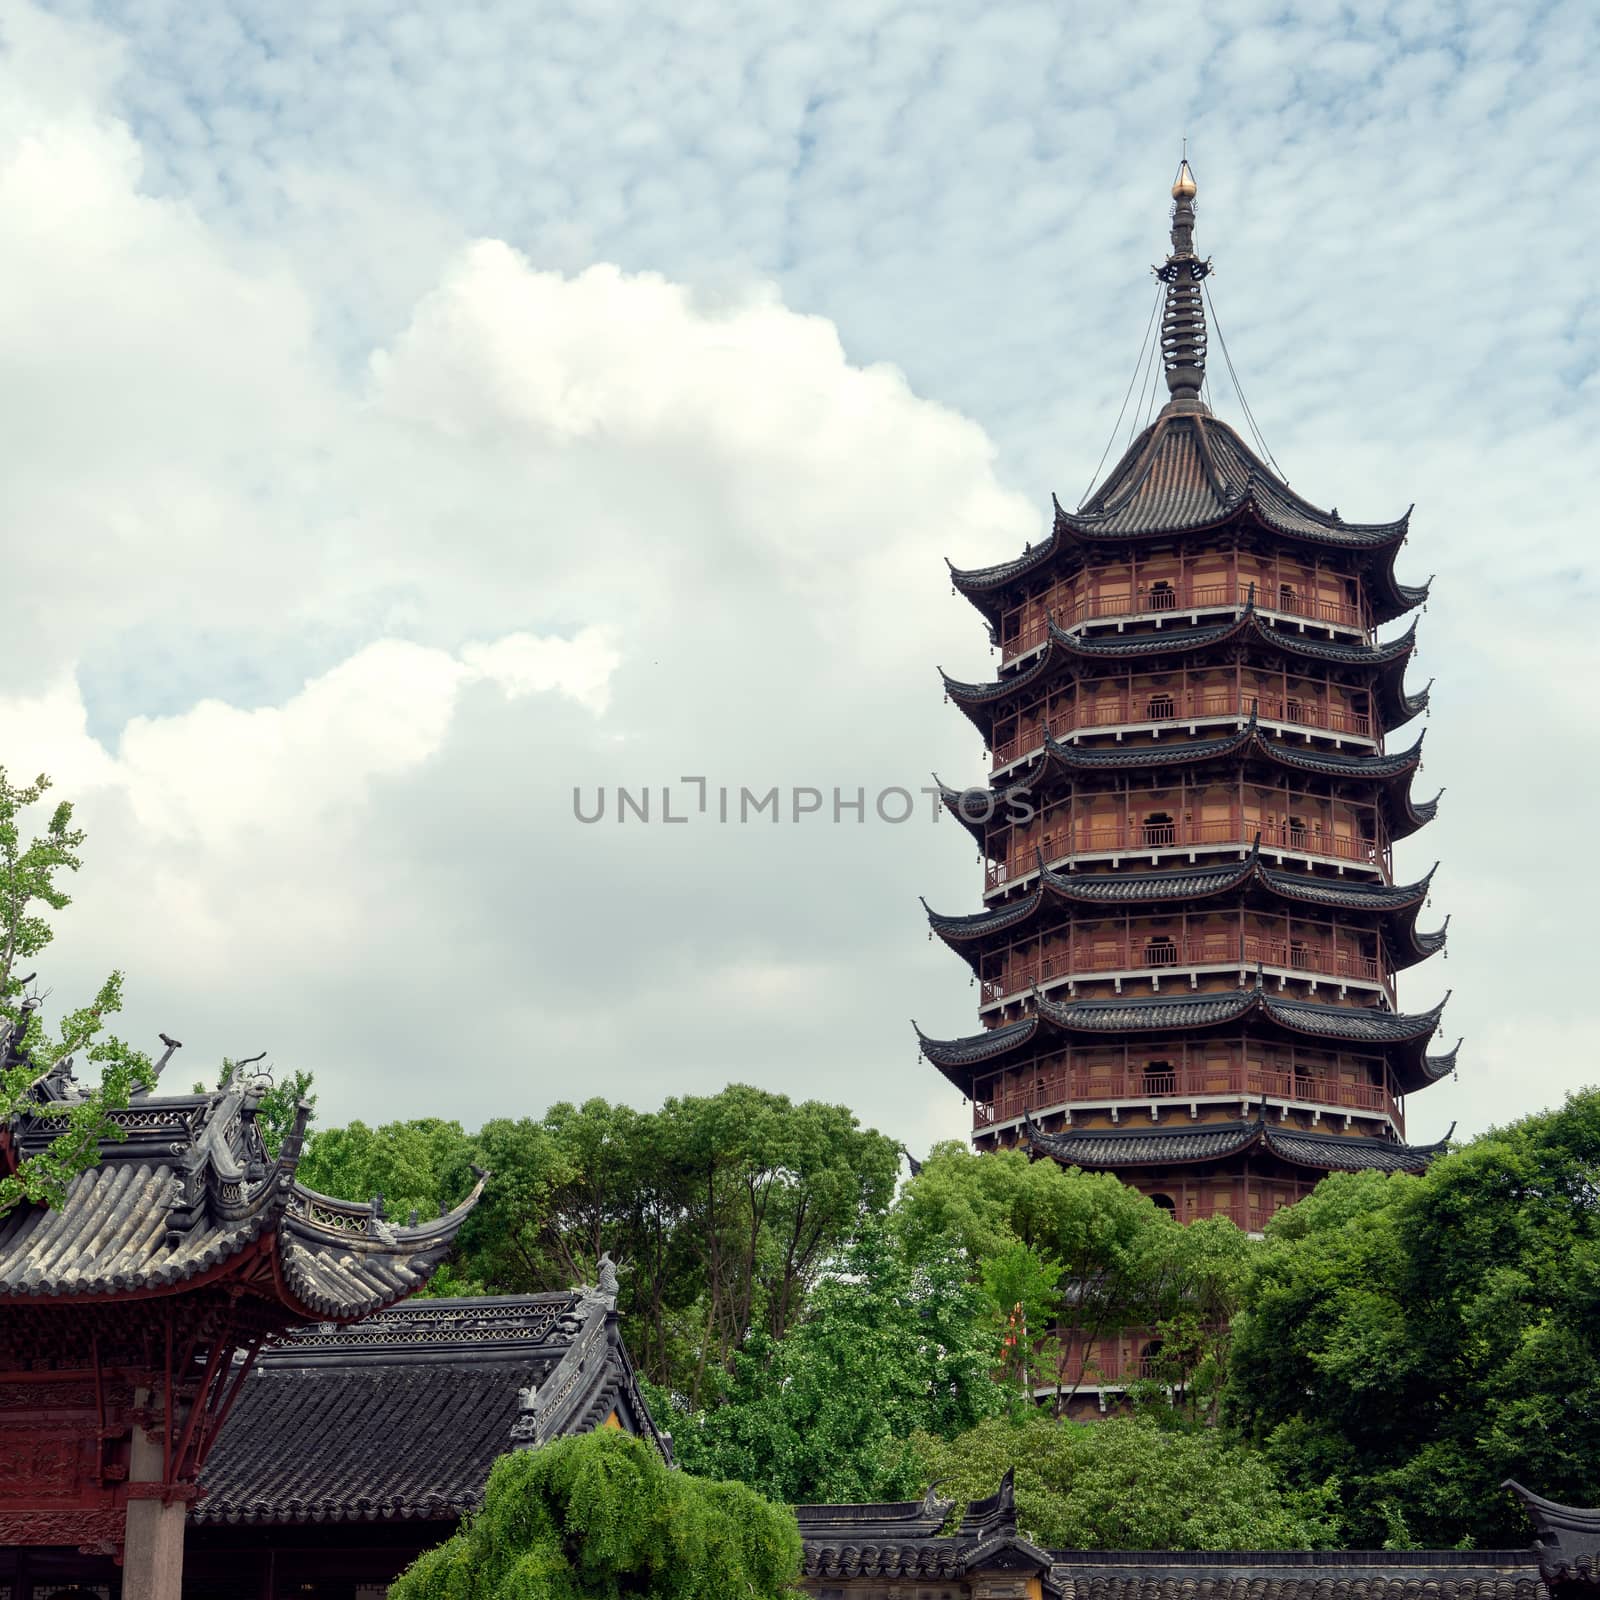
{"points": [[1188, 960]]}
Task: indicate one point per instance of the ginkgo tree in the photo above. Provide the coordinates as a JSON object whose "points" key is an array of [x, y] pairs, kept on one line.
{"points": [[31, 1050]]}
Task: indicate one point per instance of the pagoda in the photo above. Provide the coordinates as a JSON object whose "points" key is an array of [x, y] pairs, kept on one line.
{"points": [[1187, 963]]}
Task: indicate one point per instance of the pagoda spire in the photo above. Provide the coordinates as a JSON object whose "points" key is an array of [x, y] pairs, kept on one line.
{"points": [[1183, 320]]}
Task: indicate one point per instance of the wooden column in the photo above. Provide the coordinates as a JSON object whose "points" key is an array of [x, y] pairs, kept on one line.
{"points": [[152, 1567]]}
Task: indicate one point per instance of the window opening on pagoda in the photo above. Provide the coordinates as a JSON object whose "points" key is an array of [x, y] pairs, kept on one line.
{"points": [[1160, 950], [1166, 1203], [1162, 596], [1160, 707], [1159, 1078], [1150, 1356], [1286, 597], [1158, 828]]}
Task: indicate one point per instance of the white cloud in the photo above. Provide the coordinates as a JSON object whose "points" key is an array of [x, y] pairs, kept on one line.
{"points": [[340, 547]]}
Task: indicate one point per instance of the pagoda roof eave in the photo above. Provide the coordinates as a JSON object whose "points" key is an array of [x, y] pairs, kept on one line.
{"points": [[1116, 1149], [1249, 740], [1191, 470], [1401, 1037], [955, 1056], [973, 934], [1189, 473]]}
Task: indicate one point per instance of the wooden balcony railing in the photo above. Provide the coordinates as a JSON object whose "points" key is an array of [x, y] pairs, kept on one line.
{"points": [[1134, 838], [1085, 957], [1158, 710], [1077, 1085], [1182, 595]]}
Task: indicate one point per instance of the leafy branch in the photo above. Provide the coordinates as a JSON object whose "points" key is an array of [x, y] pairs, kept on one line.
{"points": [[37, 1076]]}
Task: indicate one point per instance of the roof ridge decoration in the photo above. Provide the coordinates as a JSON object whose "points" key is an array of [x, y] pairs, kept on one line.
{"points": [[189, 1189], [1567, 1541]]}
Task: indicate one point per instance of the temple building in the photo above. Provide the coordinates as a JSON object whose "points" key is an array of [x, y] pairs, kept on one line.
{"points": [[133, 1315], [1189, 955], [354, 1449]]}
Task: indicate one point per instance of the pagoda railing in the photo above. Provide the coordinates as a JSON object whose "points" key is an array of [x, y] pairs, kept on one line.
{"points": [[1158, 599], [1134, 838], [1109, 1363], [1053, 1088], [1089, 955], [1159, 710]]}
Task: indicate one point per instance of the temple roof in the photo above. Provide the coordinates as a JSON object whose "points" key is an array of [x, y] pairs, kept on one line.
{"points": [[1568, 1542], [1300, 1575], [1065, 655], [1398, 904], [1189, 472], [1100, 1149], [400, 1416], [1245, 741], [188, 1195], [1401, 1037], [844, 1542]]}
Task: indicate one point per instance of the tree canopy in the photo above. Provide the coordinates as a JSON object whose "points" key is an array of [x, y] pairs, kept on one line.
{"points": [[31, 870], [891, 1344], [720, 1211], [601, 1515], [1420, 1339], [1125, 1483]]}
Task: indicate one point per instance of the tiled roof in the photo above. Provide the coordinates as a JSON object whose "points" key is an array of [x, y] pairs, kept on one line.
{"points": [[1178, 884], [1190, 470], [1095, 1148], [401, 1416], [187, 1191], [976, 1048], [1332, 1153], [1300, 1575], [1402, 1037], [1105, 1149], [903, 1541], [1064, 650], [1247, 741], [1568, 1545]]}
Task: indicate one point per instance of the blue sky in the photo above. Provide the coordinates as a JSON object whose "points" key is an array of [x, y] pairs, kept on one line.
{"points": [[410, 416]]}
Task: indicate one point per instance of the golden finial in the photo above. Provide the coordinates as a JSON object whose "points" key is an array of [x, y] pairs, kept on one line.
{"points": [[1184, 187]]}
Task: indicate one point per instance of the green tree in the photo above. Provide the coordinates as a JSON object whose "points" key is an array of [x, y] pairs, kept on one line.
{"points": [[600, 1515], [719, 1210], [1123, 1483], [890, 1345], [1421, 1339], [1018, 1219], [420, 1166], [30, 888], [1188, 1293]]}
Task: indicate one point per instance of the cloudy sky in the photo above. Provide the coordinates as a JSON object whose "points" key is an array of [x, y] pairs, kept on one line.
{"points": [[407, 419]]}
